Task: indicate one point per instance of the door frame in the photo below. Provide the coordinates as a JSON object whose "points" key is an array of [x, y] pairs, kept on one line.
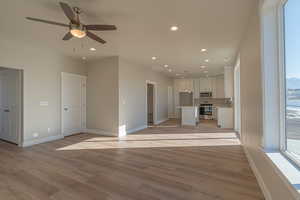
{"points": [[62, 100], [154, 101], [237, 97], [171, 114], [21, 104]]}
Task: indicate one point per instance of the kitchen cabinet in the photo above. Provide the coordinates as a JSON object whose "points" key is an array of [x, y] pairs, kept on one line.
{"points": [[181, 85], [189, 115], [205, 85], [225, 117], [185, 85]]}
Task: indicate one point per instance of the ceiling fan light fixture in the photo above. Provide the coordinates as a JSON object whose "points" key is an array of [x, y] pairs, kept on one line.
{"points": [[78, 33]]}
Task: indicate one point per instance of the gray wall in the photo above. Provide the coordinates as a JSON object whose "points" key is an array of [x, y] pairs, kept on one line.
{"points": [[251, 110], [42, 82], [116, 95], [102, 95], [132, 94]]}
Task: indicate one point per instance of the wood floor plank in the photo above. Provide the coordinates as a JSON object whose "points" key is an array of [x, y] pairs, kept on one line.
{"points": [[162, 162]]}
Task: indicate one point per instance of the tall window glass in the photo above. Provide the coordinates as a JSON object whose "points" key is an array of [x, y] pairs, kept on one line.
{"points": [[292, 76]]}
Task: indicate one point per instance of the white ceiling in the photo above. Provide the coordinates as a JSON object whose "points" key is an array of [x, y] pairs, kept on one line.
{"points": [[143, 30]]}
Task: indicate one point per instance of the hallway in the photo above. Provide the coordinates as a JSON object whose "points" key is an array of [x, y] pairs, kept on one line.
{"points": [[151, 164]]}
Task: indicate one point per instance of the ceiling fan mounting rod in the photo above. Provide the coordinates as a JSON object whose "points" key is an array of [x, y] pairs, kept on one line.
{"points": [[77, 10]]}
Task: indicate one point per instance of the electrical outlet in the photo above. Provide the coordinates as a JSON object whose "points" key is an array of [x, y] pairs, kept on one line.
{"points": [[49, 130], [35, 135]]}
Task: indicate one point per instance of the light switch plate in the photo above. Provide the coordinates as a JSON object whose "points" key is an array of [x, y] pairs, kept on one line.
{"points": [[44, 103]]}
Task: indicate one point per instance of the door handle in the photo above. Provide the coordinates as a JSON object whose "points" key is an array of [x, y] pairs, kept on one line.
{"points": [[6, 110]]}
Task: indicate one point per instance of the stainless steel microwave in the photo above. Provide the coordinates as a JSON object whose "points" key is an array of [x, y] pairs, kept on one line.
{"points": [[205, 94]]}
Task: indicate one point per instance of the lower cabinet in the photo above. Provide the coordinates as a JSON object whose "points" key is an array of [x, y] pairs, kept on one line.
{"points": [[225, 117]]}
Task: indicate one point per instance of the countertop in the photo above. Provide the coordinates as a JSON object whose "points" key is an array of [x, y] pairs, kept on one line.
{"points": [[214, 106]]}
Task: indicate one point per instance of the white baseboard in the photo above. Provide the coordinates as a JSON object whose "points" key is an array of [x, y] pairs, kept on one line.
{"points": [[161, 121], [100, 132], [258, 176], [42, 140], [136, 129]]}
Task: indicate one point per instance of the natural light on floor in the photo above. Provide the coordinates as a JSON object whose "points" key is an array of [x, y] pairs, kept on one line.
{"points": [[156, 140]]}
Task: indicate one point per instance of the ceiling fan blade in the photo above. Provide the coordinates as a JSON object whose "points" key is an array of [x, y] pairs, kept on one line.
{"points": [[101, 27], [95, 37], [47, 21], [68, 11], [68, 36]]}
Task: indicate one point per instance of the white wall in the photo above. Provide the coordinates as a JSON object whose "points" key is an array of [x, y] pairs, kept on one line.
{"points": [[228, 81], [132, 94], [251, 111], [102, 95], [220, 91], [237, 99], [42, 82]]}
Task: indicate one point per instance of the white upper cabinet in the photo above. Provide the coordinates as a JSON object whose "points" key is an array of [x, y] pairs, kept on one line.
{"points": [[205, 85], [185, 85], [190, 85]]}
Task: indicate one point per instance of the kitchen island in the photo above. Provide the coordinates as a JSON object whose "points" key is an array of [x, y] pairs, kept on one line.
{"points": [[189, 115]]}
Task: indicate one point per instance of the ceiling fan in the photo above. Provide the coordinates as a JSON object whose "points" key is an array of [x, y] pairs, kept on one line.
{"points": [[77, 29]]}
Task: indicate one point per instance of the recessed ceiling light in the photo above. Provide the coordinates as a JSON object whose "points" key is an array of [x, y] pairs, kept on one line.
{"points": [[170, 70], [203, 50], [153, 58], [202, 67], [83, 58], [93, 49], [206, 60], [166, 66], [205, 72], [174, 28]]}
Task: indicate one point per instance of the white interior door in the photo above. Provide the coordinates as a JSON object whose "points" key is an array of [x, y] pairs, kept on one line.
{"points": [[73, 103], [170, 102], [9, 105]]}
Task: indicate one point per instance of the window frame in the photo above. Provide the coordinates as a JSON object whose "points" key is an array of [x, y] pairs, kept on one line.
{"points": [[282, 82]]}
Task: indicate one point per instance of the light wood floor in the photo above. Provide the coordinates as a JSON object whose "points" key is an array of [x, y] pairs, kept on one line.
{"points": [[162, 162]]}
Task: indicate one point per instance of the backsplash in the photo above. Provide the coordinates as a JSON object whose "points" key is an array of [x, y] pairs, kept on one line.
{"points": [[215, 101]]}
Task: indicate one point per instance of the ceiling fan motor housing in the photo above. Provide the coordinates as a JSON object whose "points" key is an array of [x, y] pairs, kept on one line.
{"points": [[77, 27]]}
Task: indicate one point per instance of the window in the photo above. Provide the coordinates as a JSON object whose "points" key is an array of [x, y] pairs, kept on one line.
{"points": [[291, 141]]}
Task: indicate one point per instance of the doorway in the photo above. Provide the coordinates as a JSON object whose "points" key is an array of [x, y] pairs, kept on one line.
{"points": [[151, 103], [11, 105], [73, 104]]}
